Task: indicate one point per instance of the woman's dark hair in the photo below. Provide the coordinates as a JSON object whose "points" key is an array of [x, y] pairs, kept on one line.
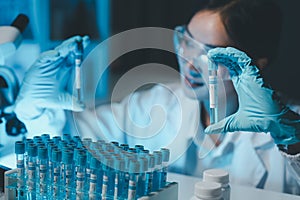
{"points": [[253, 26]]}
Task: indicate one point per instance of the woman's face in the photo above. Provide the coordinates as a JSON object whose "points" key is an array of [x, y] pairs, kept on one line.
{"points": [[206, 28]]}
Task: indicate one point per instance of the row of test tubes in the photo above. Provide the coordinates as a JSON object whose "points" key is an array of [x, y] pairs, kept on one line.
{"points": [[71, 168]]}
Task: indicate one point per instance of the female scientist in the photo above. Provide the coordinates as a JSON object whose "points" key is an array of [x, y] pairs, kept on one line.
{"points": [[261, 160]]}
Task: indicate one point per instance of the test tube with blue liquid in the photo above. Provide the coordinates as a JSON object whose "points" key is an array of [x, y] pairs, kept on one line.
{"points": [[165, 159], [42, 171], [31, 170], [213, 91], [80, 175], [149, 174], [141, 186], [67, 173], [119, 177], [95, 184], [20, 151], [108, 183], [134, 169], [157, 170], [56, 156]]}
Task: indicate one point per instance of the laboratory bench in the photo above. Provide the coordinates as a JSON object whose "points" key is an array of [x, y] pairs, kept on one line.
{"points": [[238, 192], [186, 186]]}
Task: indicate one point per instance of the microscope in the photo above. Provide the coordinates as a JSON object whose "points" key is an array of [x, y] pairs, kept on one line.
{"points": [[10, 39]]}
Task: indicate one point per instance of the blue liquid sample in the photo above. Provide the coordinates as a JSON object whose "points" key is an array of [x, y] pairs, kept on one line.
{"points": [[157, 170], [134, 169], [56, 157], [165, 160], [43, 171]]}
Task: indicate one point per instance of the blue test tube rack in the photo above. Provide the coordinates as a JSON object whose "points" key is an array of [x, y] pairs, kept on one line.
{"points": [[86, 169]]}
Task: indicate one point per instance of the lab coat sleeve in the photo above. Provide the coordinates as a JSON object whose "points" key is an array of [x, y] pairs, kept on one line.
{"points": [[51, 121], [293, 160], [158, 117], [140, 117]]}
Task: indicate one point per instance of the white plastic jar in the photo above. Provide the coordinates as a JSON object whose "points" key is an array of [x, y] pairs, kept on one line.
{"points": [[207, 191], [219, 176]]}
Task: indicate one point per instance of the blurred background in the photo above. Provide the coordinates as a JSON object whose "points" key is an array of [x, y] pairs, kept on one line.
{"points": [[52, 21]]}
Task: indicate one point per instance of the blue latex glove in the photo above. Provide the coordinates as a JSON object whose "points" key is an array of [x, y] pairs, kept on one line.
{"points": [[259, 109], [44, 85]]}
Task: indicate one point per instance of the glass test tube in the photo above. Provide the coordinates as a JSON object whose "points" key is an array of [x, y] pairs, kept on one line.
{"points": [[119, 177], [141, 189], [78, 61], [157, 170], [67, 172], [149, 174], [20, 151], [213, 91], [56, 156], [31, 170], [108, 183], [134, 169], [165, 160], [80, 175], [42, 171], [94, 179]]}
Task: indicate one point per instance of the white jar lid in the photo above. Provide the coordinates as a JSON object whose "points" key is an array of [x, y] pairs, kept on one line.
{"points": [[216, 175], [207, 190]]}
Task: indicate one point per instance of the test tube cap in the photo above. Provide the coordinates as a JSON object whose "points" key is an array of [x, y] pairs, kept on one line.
{"points": [[132, 150], [50, 147], [134, 166], [216, 175], [119, 164], [32, 150], [42, 152], [45, 137], [77, 151], [165, 154], [157, 157], [67, 157], [94, 163], [143, 164], [56, 155], [115, 143], [125, 147], [37, 138], [207, 190], [27, 142], [56, 139], [40, 143], [86, 142], [19, 147], [108, 161], [76, 138], [62, 143], [81, 159], [139, 147], [151, 161], [67, 137]]}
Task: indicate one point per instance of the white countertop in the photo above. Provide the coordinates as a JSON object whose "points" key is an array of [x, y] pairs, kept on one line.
{"points": [[186, 190]]}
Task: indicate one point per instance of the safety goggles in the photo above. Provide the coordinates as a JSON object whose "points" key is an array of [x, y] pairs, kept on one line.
{"points": [[191, 51], [186, 46]]}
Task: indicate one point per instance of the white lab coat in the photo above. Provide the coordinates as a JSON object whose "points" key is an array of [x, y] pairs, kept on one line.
{"points": [[165, 117]]}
